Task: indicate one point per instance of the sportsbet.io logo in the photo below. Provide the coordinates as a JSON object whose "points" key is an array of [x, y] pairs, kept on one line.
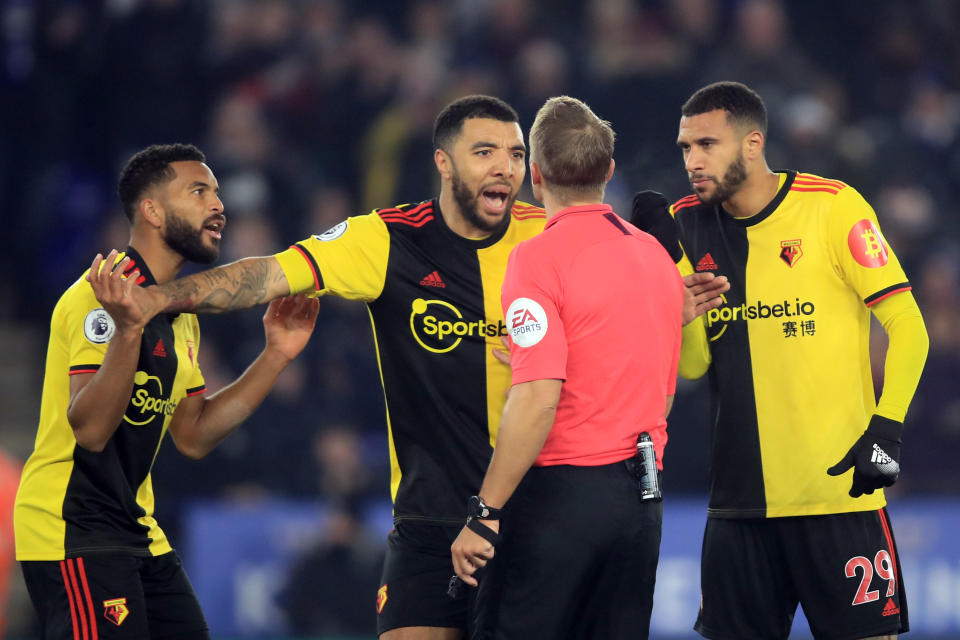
{"points": [[527, 321], [439, 327], [147, 401], [717, 319]]}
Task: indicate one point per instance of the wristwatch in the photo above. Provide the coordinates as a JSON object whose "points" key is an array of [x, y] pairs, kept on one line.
{"points": [[478, 510]]}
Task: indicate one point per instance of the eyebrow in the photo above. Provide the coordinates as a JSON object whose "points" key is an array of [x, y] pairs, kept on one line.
{"points": [[198, 183], [484, 144], [699, 140]]}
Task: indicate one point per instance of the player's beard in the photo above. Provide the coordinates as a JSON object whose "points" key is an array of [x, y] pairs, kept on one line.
{"points": [[188, 240], [727, 187], [467, 202]]}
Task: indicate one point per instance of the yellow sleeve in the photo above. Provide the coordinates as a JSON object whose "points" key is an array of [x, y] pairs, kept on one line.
{"points": [[349, 260], [906, 355], [86, 327], [860, 253], [695, 349], [195, 383]]}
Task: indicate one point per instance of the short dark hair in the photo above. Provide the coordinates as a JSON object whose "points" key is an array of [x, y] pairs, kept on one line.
{"points": [[150, 167], [449, 122], [743, 105], [571, 145]]}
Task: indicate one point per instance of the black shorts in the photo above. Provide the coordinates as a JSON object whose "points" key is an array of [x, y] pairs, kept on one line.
{"points": [[110, 597], [843, 569], [416, 572], [578, 558]]}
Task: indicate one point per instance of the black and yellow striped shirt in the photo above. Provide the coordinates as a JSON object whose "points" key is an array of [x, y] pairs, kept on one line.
{"points": [[72, 501], [434, 302], [790, 369]]}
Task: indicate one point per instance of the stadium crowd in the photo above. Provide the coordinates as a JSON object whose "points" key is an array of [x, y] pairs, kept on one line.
{"points": [[314, 110]]}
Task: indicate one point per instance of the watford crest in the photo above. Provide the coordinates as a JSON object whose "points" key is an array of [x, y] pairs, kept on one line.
{"points": [[116, 610], [790, 251]]}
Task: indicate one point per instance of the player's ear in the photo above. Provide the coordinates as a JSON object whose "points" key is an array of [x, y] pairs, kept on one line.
{"points": [[613, 164], [443, 162], [151, 212], [753, 144]]}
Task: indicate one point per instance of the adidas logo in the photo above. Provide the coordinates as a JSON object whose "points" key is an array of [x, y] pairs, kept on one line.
{"points": [[433, 280], [890, 609], [880, 456], [706, 263], [887, 465], [159, 351]]}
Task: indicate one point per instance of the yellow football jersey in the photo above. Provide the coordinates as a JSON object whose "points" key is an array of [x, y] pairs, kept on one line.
{"points": [[74, 502], [790, 370], [434, 302]]}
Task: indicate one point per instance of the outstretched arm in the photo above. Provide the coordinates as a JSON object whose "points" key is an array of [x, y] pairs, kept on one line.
{"points": [[238, 285]]}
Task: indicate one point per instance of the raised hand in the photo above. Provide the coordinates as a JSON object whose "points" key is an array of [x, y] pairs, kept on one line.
{"points": [[115, 291], [288, 323]]}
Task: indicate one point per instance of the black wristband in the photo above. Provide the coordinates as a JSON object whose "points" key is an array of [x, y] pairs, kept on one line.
{"points": [[477, 508], [483, 531]]}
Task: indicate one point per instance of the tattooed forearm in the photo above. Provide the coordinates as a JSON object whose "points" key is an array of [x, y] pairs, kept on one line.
{"points": [[239, 285]]}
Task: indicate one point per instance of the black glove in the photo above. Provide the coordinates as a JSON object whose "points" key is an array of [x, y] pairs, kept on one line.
{"points": [[875, 457], [651, 213]]}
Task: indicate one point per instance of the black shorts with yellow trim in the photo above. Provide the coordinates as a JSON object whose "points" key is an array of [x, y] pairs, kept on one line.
{"points": [[114, 597], [416, 575], [843, 569]]}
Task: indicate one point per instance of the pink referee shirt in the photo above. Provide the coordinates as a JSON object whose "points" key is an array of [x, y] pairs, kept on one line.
{"points": [[597, 303]]}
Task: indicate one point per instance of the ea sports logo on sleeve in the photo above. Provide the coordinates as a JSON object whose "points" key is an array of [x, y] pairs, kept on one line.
{"points": [[526, 321]]}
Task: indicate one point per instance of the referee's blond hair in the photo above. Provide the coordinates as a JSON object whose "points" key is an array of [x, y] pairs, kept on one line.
{"points": [[571, 145]]}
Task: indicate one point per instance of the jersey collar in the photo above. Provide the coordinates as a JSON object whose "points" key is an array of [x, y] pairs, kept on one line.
{"points": [[765, 213], [469, 242], [146, 278], [136, 262], [584, 209]]}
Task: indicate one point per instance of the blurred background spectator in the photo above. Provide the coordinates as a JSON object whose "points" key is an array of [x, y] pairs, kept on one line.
{"points": [[314, 110]]}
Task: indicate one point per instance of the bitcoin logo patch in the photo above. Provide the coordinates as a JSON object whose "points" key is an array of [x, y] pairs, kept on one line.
{"points": [[867, 245]]}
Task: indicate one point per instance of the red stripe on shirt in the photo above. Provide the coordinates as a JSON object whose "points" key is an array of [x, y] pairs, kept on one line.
{"points": [[824, 189], [684, 205], [418, 211], [74, 372], [198, 390], [73, 610], [888, 294], [407, 216], [86, 593], [316, 278], [408, 222], [415, 214], [812, 178]]}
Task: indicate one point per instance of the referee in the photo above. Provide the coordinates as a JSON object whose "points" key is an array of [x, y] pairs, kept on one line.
{"points": [[594, 307]]}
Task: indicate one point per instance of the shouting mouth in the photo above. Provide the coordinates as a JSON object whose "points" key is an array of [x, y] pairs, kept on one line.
{"points": [[495, 198]]}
